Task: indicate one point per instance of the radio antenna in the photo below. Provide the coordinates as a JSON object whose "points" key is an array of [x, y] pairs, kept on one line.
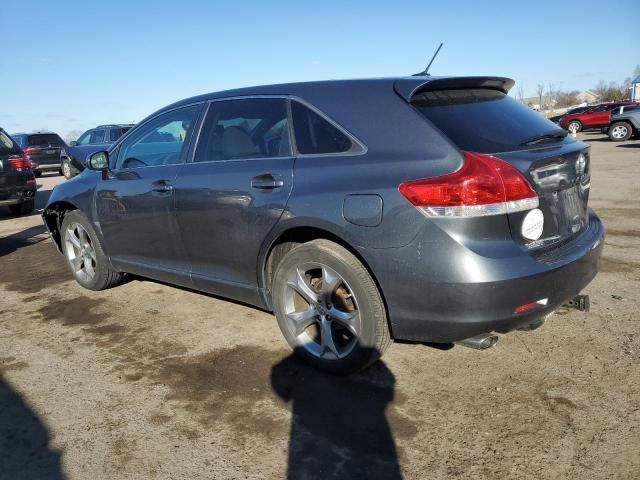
{"points": [[426, 70]]}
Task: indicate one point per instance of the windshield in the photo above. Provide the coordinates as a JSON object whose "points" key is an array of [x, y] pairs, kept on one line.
{"points": [[482, 120]]}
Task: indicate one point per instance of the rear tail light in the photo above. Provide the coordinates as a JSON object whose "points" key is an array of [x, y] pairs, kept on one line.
{"points": [[19, 162], [484, 185]]}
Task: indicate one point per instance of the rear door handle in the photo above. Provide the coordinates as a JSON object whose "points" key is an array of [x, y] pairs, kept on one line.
{"points": [[162, 186], [267, 181]]}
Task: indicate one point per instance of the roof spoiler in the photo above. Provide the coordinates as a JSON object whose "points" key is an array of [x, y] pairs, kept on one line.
{"points": [[408, 87]]}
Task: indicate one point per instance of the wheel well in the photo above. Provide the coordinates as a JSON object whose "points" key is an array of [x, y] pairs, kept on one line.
{"points": [[296, 236], [53, 216]]}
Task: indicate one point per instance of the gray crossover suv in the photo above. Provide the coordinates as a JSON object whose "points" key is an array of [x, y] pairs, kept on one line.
{"points": [[422, 209]]}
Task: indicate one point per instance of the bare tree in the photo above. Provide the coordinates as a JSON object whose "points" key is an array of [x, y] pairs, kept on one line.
{"points": [[72, 135], [41, 130], [540, 93], [520, 92], [601, 90], [551, 96]]}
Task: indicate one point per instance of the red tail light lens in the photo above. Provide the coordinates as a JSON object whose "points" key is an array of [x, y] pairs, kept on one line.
{"points": [[19, 162], [484, 185], [30, 150]]}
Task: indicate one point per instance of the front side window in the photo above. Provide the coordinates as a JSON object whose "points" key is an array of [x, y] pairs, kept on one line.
{"points": [[245, 128], [316, 135], [159, 142]]}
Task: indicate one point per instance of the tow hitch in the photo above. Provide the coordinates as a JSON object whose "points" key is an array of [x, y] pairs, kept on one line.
{"points": [[579, 302]]}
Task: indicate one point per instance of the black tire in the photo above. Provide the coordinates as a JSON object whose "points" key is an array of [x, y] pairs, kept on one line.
{"points": [[24, 208], [577, 123], [105, 275], [37, 173], [373, 338], [620, 132]]}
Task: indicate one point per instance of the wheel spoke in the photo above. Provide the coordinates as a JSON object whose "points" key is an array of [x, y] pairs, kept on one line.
{"points": [[327, 341], [84, 238], [303, 319], [76, 263], [75, 241], [330, 281], [301, 286], [348, 319], [89, 268]]}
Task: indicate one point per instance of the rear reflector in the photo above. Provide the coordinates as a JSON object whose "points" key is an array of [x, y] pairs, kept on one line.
{"points": [[484, 185], [529, 306]]}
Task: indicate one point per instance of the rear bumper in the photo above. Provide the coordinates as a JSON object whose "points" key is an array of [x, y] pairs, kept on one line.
{"points": [[428, 303], [16, 195]]}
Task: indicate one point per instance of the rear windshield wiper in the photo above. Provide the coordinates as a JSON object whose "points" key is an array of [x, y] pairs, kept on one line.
{"points": [[545, 137]]}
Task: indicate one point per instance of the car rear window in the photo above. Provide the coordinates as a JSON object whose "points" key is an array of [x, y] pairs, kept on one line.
{"points": [[45, 139], [482, 120]]}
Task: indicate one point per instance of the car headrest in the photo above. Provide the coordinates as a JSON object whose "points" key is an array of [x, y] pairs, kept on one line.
{"points": [[236, 143]]}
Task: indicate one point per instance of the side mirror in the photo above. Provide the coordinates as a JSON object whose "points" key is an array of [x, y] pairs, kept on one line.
{"points": [[73, 143], [98, 161]]}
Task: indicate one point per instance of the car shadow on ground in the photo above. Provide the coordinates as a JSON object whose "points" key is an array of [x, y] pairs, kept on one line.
{"points": [[42, 197], [26, 237], [25, 453], [629, 145], [339, 428]]}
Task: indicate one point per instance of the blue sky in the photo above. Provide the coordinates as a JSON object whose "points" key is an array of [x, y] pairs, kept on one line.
{"points": [[70, 65]]}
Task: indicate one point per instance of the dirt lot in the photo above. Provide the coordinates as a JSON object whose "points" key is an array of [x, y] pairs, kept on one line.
{"points": [[150, 381]]}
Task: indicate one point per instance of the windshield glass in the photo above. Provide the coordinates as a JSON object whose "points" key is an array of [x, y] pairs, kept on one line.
{"points": [[481, 120]]}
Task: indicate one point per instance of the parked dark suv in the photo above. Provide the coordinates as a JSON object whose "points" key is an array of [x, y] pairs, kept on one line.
{"points": [[17, 182], [424, 209], [42, 150], [73, 157]]}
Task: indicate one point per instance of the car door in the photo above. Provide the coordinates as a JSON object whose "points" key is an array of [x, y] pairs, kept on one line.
{"points": [[599, 116], [234, 192], [135, 201]]}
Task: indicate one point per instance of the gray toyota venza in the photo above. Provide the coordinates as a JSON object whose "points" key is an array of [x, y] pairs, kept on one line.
{"points": [[425, 209]]}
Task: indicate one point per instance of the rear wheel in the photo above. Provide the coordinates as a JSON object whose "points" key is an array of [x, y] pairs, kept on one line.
{"points": [[24, 208], [85, 257], [620, 131], [37, 173], [329, 308], [574, 124]]}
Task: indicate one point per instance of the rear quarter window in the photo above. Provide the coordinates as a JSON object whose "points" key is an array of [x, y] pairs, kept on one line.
{"points": [[481, 120], [315, 135]]}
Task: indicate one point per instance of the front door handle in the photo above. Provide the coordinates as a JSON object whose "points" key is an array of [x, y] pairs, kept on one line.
{"points": [[162, 186], [267, 181]]}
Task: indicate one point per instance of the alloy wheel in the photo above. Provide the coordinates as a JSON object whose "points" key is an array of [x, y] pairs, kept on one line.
{"points": [[321, 311], [619, 131], [66, 170], [80, 252]]}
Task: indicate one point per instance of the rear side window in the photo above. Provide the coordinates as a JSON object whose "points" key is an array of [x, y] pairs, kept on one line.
{"points": [[481, 120], [21, 140], [115, 134], [245, 128], [315, 135], [6, 142], [44, 140]]}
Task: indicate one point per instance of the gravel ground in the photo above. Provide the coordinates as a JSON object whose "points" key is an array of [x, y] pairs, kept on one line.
{"points": [[149, 381]]}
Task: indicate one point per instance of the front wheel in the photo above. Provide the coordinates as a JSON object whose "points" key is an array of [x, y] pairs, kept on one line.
{"points": [[620, 131], [66, 169], [574, 125], [329, 308], [90, 266]]}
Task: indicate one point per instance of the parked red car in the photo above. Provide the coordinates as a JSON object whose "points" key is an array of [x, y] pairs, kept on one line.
{"points": [[597, 117]]}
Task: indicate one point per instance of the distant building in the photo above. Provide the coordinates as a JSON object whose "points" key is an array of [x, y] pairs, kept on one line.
{"points": [[635, 89], [587, 96]]}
